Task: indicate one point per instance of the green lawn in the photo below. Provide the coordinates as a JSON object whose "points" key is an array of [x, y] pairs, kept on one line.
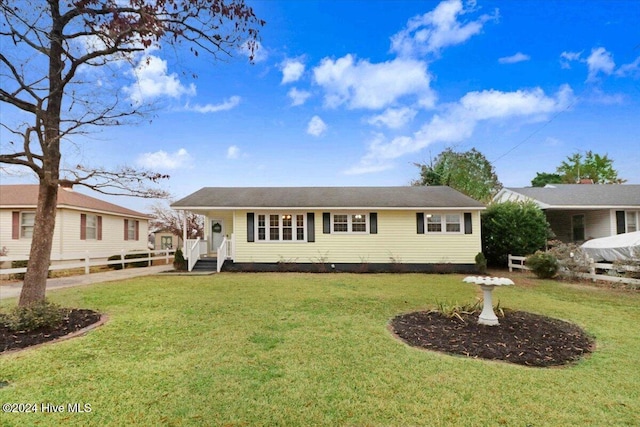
{"points": [[302, 349]]}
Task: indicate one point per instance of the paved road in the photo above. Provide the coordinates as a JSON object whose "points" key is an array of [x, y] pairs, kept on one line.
{"points": [[13, 290]]}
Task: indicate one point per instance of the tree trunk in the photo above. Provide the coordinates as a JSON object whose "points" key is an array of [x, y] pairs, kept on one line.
{"points": [[35, 280]]}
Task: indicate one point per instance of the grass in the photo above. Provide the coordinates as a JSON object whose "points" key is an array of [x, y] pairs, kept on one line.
{"points": [[302, 349]]}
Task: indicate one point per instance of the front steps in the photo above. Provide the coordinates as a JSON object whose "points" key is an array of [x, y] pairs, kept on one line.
{"points": [[204, 265]]}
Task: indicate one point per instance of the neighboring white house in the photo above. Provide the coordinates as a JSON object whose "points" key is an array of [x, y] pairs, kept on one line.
{"points": [[579, 212], [83, 223], [342, 228]]}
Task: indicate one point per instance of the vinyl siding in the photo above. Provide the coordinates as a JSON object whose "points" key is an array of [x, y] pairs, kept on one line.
{"points": [[66, 238], [396, 241]]}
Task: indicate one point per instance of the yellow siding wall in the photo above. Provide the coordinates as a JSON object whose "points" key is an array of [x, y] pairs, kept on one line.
{"points": [[396, 241]]}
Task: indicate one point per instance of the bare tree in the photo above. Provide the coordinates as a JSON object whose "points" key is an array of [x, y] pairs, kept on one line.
{"points": [[167, 219], [47, 45]]}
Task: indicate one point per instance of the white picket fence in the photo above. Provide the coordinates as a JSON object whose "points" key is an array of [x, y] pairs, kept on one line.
{"points": [[88, 259], [518, 263]]}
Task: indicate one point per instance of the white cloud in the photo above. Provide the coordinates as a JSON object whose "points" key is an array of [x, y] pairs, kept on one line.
{"points": [[298, 97], [362, 84], [163, 160], [152, 81], [226, 105], [316, 126], [632, 69], [292, 70], [518, 57], [233, 152], [600, 61], [435, 30], [458, 121], [393, 118], [567, 57]]}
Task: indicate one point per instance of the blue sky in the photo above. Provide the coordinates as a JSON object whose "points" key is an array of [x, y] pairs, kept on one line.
{"points": [[354, 92]]}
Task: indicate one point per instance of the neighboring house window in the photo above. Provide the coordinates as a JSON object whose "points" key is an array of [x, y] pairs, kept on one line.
{"points": [[577, 225], [131, 229], [444, 223], [90, 227], [166, 242], [350, 223], [27, 221], [281, 227], [632, 221]]}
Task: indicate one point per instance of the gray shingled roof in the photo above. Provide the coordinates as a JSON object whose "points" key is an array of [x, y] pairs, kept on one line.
{"points": [[327, 197], [583, 195]]}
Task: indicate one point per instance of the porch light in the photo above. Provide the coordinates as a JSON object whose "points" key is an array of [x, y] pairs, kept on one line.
{"points": [[429, 215]]}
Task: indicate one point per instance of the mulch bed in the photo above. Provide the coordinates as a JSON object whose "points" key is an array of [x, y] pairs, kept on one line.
{"points": [[522, 338], [75, 320]]}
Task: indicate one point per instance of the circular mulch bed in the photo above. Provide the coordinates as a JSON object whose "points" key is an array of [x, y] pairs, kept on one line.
{"points": [[74, 321], [522, 338]]}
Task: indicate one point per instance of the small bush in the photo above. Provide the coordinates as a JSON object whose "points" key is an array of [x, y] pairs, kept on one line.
{"points": [[35, 316], [179, 263], [543, 264], [481, 263], [140, 263], [571, 259], [115, 266]]}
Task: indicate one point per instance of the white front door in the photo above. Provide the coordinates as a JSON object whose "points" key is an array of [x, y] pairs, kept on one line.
{"points": [[217, 234]]}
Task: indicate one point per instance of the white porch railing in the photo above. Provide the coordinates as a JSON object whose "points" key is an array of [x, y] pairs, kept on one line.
{"points": [[192, 252], [225, 252]]}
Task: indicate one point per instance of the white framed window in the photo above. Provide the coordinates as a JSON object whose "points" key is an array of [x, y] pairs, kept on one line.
{"points": [[281, 227], [27, 222], [131, 230], [350, 223], [632, 218], [443, 223]]}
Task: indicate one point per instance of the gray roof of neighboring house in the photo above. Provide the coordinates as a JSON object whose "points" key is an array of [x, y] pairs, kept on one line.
{"points": [[26, 196], [327, 197], [583, 195]]}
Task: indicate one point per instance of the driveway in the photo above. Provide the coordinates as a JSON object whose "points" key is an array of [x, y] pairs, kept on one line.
{"points": [[13, 290]]}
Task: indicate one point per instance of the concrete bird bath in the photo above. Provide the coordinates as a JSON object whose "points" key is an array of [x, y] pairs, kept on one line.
{"points": [[488, 317]]}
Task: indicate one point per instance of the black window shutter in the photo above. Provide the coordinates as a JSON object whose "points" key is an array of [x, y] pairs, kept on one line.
{"points": [[250, 227], [420, 222], [311, 227], [620, 222], [468, 228], [326, 222], [373, 223]]}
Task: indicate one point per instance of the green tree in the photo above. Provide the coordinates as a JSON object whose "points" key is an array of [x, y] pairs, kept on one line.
{"points": [[468, 172], [544, 178], [516, 228], [590, 166], [45, 47]]}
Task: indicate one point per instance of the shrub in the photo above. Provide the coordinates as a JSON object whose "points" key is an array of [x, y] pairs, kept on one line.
{"points": [[179, 263], [516, 228], [115, 266], [139, 263], [35, 316], [543, 264], [481, 263], [571, 259]]}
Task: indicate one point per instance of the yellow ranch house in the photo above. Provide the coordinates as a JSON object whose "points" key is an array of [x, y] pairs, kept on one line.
{"points": [[364, 229]]}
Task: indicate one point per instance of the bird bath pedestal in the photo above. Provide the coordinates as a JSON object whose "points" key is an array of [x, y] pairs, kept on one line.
{"points": [[488, 317]]}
